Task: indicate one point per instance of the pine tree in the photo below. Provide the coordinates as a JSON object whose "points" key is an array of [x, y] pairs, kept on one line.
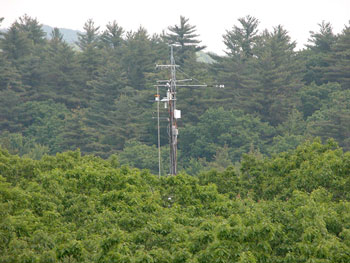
{"points": [[339, 60], [56, 36], [277, 74], [91, 58], [63, 75], [185, 36], [236, 70], [33, 29], [89, 41], [15, 43], [240, 41], [138, 58], [112, 37], [24, 45], [90, 37], [316, 55], [101, 115], [76, 134], [323, 40], [9, 102], [9, 75], [333, 119]]}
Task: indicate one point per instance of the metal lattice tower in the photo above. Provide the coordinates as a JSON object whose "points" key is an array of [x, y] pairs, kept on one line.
{"points": [[170, 101], [174, 113]]}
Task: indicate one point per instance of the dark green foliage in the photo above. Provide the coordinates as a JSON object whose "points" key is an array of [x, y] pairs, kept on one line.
{"points": [[240, 41], [9, 75], [313, 97], [185, 36], [339, 60], [112, 36], [9, 101], [222, 128], [138, 58], [316, 56], [291, 133], [90, 38], [309, 167], [323, 40], [278, 81], [143, 156], [293, 207], [96, 95], [76, 134], [44, 123], [332, 120], [63, 75], [32, 28]]}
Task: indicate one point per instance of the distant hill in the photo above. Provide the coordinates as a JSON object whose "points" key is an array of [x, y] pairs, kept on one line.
{"points": [[204, 57], [69, 35]]}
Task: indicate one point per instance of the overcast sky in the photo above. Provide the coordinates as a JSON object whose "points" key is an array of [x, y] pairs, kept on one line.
{"points": [[212, 18]]}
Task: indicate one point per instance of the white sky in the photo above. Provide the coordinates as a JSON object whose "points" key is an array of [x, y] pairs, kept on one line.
{"points": [[212, 18]]}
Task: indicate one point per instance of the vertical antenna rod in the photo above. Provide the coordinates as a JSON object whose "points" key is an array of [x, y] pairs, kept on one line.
{"points": [[170, 103], [173, 131], [158, 101]]}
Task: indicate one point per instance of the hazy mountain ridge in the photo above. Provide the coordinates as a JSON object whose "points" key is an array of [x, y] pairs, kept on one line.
{"points": [[69, 35]]}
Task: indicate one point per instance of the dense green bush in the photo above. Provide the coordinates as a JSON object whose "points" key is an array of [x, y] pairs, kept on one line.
{"points": [[293, 207]]}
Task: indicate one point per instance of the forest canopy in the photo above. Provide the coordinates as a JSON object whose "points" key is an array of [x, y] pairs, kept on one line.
{"points": [[293, 207], [78, 147], [95, 94]]}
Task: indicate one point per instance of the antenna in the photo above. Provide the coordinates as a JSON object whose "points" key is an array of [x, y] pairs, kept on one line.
{"points": [[170, 104], [157, 97]]}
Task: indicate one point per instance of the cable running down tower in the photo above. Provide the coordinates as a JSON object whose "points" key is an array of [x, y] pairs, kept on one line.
{"points": [[174, 113]]}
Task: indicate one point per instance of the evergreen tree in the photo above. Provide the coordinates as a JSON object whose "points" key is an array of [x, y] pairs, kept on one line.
{"points": [[76, 134], [90, 37], [323, 40], [238, 78], [15, 43], [316, 56], [9, 103], [33, 29], [24, 45], [63, 75], [101, 116], [240, 41], [185, 36], [138, 58], [43, 123], [90, 58], [112, 37], [10, 78], [220, 128], [333, 119], [236, 70], [339, 60], [56, 36], [277, 74]]}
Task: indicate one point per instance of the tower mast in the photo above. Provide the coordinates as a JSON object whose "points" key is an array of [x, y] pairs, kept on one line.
{"points": [[174, 113], [170, 103], [173, 131]]}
